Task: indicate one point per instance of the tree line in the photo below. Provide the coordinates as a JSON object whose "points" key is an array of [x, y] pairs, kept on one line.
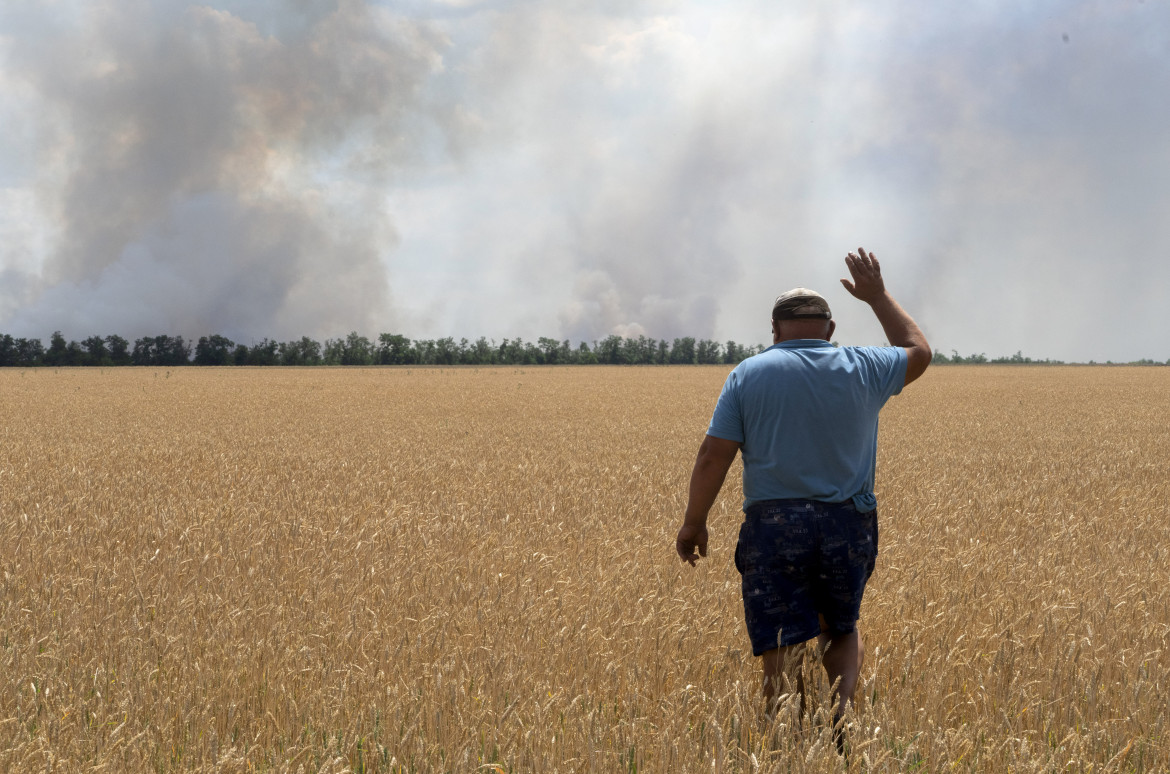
{"points": [[355, 349], [395, 349], [1019, 359]]}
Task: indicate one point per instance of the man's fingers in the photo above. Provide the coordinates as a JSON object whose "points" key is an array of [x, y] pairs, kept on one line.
{"points": [[863, 266], [688, 539], [870, 260], [686, 551]]}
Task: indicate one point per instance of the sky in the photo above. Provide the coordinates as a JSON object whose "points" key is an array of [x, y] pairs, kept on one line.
{"points": [[516, 168]]}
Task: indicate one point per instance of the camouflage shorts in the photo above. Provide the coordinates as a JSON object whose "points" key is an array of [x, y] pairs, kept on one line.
{"points": [[801, 558]]}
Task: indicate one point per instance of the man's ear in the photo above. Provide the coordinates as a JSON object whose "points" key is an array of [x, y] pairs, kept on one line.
{"points": [[832, 327]]}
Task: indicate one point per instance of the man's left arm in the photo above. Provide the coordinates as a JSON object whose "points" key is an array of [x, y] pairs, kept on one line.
{"points": [[711, 466]]}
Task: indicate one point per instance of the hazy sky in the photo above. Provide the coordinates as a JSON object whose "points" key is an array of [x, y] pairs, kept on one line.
{"points": [[575, 169]]}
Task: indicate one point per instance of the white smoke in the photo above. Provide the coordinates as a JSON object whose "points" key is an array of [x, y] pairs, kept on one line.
{"points": [[509, 168], [206, 176]]}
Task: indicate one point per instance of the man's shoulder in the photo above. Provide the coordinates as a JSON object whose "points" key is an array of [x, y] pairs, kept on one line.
{"points": [[885, 353]]}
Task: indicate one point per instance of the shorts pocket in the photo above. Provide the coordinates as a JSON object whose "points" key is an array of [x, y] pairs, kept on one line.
{"points": [[873, 543], [739, 549]]}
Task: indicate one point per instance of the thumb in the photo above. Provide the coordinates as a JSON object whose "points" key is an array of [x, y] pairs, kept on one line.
{"points": [[848, 286]]}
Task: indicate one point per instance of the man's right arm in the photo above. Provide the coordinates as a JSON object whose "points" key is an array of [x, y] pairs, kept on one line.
{"points": [[899, 327]]}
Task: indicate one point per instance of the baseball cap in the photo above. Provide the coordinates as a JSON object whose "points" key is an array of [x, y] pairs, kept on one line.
{"points": [[801, 303]]}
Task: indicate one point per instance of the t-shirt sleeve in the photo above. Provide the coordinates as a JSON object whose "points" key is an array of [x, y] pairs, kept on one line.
{"points": [[890, 363], [727, 421]]}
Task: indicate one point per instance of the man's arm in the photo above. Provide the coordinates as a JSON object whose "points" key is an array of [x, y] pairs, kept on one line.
{"points": [[899, 327], [711, 466]]}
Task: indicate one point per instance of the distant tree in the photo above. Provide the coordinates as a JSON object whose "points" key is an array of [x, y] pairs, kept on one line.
{"points": [[161, 351], [519, 352], [354, 349], [423, 351], [610, 351], [358, 350], [708, 352], [394, 349], [20, 352], [264, 354], [550, 350], [61, 353], [96, 352], [639, 351], [214, 351], [682, 351], [119, 350], [733, 353], [8, 353], [585, 356], [446, 352], [310, 351], [30, 352], [1016, 359], [631, 351], [958, 359], [177, 352], [299, 353], [58, 350], [240, 355], [482, 352], [74, 355], [332, 351], [466, 355], [143, 353]]}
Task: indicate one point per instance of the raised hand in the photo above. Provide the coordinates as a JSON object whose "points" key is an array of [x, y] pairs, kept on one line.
{"points": [[867, 284]]}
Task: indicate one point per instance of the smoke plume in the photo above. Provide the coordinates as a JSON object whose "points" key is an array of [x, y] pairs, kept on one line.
{"points": [[204, 175], [578, 169]]}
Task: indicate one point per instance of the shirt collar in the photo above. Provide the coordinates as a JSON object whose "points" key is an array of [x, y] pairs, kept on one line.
{"points": [[801, 344]]}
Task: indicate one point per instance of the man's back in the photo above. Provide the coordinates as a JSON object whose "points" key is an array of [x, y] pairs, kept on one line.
{"points": [[806, 414]]}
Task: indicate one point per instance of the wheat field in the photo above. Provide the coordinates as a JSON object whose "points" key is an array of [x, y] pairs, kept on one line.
{"points": [[431, 570]]}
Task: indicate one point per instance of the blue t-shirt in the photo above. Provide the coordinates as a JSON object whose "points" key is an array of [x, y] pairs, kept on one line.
{"points": [[806, 414]]}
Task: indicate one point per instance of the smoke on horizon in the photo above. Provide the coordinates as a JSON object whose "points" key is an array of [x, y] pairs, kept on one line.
{"points": [[503, 168], [205, 176]]}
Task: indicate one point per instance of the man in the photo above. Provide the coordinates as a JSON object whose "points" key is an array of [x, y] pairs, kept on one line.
{"points": [[805, 415]]}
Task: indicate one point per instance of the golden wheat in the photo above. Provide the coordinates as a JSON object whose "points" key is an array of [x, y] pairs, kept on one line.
{"points": [[473, 570]]}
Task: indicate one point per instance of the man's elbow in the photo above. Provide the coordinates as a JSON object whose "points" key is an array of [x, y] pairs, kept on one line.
{"points": [[918, 358]]}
